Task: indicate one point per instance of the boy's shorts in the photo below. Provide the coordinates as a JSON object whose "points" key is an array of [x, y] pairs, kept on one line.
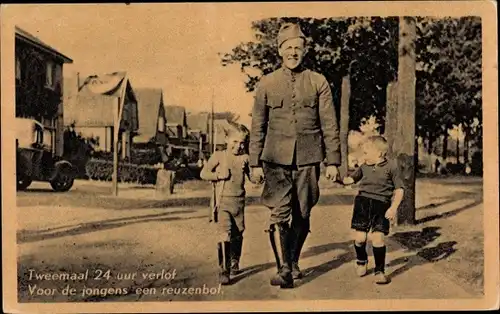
{"points": [[369, 214], [232, 215]]}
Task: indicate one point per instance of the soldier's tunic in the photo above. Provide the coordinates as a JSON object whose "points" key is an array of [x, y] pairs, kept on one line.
{"points": [[294, 129]]}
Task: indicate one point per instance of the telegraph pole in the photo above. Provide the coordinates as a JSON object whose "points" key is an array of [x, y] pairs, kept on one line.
{"points": [[212, 125]]}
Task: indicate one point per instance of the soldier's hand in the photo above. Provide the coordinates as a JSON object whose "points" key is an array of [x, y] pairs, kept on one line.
{"points": [[257, 175], [332, 173]]}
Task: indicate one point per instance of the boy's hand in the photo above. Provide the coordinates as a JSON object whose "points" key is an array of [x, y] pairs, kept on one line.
{"points": [[223, 174], [391, 213], [347, 180]]}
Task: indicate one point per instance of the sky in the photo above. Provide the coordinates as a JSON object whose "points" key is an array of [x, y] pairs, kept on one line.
{"points": [[170, 46]]}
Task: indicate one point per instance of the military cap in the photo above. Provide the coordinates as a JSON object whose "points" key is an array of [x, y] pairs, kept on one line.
{"points": [[289, 31]]}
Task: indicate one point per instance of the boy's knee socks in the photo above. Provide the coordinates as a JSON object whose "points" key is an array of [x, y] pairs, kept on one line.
{"points": [[360, 248], [379, 256]]}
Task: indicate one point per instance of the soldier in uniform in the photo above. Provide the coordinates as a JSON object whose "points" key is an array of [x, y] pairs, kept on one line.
{"points": [[294, 129]]}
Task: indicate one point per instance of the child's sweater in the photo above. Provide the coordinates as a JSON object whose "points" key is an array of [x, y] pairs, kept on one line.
{"points": [[378, 181], [238, 168]]}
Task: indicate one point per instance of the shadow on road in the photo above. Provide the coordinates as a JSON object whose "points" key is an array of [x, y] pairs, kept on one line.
{"points": [[417, 241], [252, 270], [312, 273], [24, 236], [476, 198], [423, 256]]}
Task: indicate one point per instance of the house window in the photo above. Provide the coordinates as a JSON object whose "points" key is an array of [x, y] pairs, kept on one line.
{"points": [[18, 69], [57, 73], [49, 81], [49, 133], [49, 138]]}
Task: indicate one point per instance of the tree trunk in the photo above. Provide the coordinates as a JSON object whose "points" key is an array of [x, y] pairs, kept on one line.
{"points": [[445, 147], [391, 122], [344, 125], [416, 154], [430, 144], [466, 147], [458, 150], [404, 142]]}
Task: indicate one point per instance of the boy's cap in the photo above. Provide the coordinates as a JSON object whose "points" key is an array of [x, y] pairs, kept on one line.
{"points": [[289, 31]]}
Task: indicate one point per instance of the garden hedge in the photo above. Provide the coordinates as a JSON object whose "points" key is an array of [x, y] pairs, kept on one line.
{"points": [[102, 170]]}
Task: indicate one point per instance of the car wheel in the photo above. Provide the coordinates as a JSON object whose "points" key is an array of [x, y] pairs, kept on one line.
{"points": [[63, 182], [23, 183]]}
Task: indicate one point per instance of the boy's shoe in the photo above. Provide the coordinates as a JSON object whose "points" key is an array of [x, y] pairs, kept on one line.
{"points": [[381, 278], [361, 268], [296, 273], [235, 268], [224, 278]]}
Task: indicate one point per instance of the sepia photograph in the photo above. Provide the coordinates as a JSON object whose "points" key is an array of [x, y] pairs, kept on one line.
{"points": [[180, 157]]}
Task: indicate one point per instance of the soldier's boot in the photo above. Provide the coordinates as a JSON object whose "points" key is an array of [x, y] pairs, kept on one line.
{"points": [[223, 251], [280, 243], [300, 230], [236, 247]]}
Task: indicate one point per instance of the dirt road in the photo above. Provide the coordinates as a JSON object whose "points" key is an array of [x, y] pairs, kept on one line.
{"points": [[157, 250]]}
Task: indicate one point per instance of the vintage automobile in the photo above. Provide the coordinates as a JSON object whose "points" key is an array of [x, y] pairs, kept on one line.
{"points": [[36, 160]]}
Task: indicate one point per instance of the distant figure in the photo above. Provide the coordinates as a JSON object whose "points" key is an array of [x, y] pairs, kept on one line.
{"points": [[200, 163], [379, 180], [229, 169], [468, 169], [437, 166]]}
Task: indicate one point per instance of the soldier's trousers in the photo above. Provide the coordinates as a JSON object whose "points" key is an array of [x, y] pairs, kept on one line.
{"points": [[290, 192]]}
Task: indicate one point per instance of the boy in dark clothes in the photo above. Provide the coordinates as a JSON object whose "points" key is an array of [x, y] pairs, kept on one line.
{"points": [[375, 207]]}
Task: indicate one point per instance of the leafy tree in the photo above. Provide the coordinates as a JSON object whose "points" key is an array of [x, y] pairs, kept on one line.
{"points": [[448, 55], [449, 76], [359, 47]]}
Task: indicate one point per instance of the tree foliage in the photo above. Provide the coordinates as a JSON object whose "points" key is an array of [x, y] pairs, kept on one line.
{"points": [[449, 74], [360, 47], [448, 54]]}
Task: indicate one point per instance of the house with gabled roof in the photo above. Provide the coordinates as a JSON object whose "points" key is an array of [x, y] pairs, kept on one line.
{"points": [[152, 117], [198, 126], [39, 86], [176, 124], [93, 107]]}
